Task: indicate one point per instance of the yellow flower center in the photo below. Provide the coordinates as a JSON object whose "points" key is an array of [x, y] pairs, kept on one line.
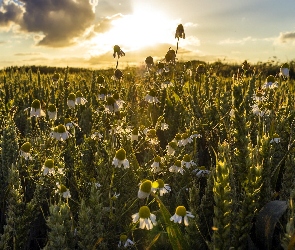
{"points": [[121, 154], [36, 104], [123, 237], [72, 97], [173, 144], [151, 133], [49, 163], [144, 212], [52, 108], [160, 183], [135, 131], [157, 159], [116, 96], [178, 137], [103, 91], [270, 78], [61, 128], [62, 188], [146, 186], [177, 163], [186, 158], [181, 211], [110, 100], [184, 136], [67, 120], [79, 94], [26, 147]]}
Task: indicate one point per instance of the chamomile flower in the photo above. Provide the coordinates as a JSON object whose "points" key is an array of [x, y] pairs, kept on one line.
{"points": [[161, 187], [119, 102], [257, 111], [259, 96], [134, 134], [63, 190], [145, 217], [201, 172], [48, 167], [176, 168], [185, 139], [276, 138], [36, 109], [145, 189], [25, 151], [96, 136], [156, 164], [52, 112], [102, 93], [151, 97], [164, 126], [118, 75], [284, 70], [60, 133], [124, 241], [187, 162], [232, 113], [71, 101], [270, 82], [111, 105], [181, 214], [151, 136], [80, 100], [195, 135], [171, 147], [120, 159]]}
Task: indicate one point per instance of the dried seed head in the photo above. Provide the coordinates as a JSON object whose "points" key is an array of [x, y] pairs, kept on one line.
{"points": [[100, 79]]}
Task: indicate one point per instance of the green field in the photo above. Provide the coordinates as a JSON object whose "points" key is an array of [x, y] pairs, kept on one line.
{"points": [[107, 159]]}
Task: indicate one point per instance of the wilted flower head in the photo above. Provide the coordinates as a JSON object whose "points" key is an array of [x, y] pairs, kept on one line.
{"points": [[180, 213], [160, 186], [201, 172], [149, 62], [170, 56], [145, 189], [36, 109], [120, 159], [55, 77], [179, 32], [118, 74], [245, 65], [80, 100], [201, 69], [284, 70], [111, 104], [185, 139], [118, 52], [25, 151], [52, 112], [146, 218], [71, 100], [151, 135]]}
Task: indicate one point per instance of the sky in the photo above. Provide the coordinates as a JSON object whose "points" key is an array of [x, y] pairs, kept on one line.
{"points": [[82, 33]]}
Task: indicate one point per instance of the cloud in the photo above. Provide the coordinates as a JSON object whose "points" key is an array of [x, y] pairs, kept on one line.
{"points": [[26, 54], [60, 21], [10, 13], [286, 37], [106, 23], [237, 41], [57, 22]]}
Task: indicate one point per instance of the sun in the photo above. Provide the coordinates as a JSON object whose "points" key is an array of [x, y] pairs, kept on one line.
{"points": [[145, 27]]}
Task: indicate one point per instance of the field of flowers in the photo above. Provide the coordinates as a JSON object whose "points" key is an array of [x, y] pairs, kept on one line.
{"points": [[173, 155]]}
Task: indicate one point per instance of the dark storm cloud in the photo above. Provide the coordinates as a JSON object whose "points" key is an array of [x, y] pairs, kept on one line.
{"points": [[10, 13], [287, 36], [60, 21]]}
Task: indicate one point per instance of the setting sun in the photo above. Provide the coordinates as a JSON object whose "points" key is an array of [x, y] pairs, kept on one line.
{"points": [[145, 27]]}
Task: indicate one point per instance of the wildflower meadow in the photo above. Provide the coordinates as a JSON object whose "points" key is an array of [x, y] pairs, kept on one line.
{"points": [[167, 155]]}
